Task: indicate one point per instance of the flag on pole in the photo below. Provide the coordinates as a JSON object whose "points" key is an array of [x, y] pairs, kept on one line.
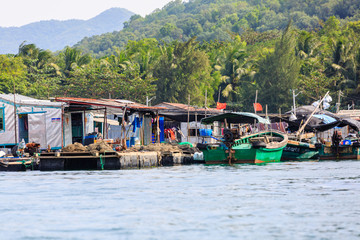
{"points": [[257, 107], [220, 105]]}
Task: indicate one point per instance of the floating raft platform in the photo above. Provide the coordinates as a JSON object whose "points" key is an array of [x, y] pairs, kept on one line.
{"points": [[18, 164], [64, 161]]}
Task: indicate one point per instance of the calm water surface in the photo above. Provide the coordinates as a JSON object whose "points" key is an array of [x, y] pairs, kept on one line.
{"points": [[306, 200]]}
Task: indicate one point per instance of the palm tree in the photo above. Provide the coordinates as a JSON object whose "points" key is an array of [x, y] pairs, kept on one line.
{"points": [[236, 70], [342, 66], [72, 58]]}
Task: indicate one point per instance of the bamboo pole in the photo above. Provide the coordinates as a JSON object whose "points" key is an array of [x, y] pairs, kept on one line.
{"points": [[157, 126], [308, 120], [123, 140]]}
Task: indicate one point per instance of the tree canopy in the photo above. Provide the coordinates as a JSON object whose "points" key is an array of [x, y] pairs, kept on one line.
{"points": [[229, 67]]}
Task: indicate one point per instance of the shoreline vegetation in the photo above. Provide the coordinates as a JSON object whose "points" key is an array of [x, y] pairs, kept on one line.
{"points": [[225, 48]]}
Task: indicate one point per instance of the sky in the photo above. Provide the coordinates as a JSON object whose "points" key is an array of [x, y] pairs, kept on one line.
{"points": [[15, 13]]}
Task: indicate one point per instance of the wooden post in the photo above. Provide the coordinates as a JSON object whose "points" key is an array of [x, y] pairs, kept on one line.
{"points": [[219, 95], [196, 128], [105, 124], [188, 120], [123, 140], [62, 126], [157, 126], [141, 130], [266, 115], [256, 95], [15, 118], [294, 104], [280, 119], [84, 127], [338, 102], [205, 103]]}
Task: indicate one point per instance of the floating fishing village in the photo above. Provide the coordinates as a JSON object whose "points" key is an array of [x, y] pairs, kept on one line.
{"points": [[180, 119], [109, 134]]}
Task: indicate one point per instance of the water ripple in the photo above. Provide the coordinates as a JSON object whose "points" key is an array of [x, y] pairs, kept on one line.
{"points": [[307, 200]]}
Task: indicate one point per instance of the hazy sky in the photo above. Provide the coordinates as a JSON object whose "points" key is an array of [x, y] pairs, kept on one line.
{"points": [[21, 12]]}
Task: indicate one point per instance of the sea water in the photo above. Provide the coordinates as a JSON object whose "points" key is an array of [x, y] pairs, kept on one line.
{"points": [[293, 200]]}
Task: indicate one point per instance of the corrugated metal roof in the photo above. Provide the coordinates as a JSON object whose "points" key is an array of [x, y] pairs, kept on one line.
{"points": [[111, 103], [353, 113], [24, 100]]}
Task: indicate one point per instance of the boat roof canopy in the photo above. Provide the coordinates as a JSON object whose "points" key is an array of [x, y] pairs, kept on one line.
{"points": [[235, 117]]}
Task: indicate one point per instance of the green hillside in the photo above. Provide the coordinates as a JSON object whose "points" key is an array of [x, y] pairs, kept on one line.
{"points": [[219, 19], [230, 67]]}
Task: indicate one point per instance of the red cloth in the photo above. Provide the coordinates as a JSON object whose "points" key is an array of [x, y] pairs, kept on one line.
{"points": [[220, 106], [170, 133], [258, 107]]}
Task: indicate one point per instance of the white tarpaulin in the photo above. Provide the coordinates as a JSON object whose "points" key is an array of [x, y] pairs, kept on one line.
{"points": [[67, 129], [53, 127], [8, 135], [37, 129], [43, 121]]}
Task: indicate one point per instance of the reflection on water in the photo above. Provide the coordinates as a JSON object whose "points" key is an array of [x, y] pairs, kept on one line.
{"points": [[306, 200]]}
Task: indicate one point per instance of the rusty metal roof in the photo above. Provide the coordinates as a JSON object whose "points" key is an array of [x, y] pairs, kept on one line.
{"points": [[111, 103]]}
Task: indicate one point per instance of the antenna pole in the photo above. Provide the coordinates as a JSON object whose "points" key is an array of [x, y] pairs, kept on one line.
{"points": [[256, 95]]}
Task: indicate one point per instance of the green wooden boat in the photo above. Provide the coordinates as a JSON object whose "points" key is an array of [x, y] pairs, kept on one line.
{"points": [[261, 147], [340, 151], [298, 151]]}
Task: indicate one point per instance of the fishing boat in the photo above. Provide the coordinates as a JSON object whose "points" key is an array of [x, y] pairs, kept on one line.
{"points": [[17, 164], [237, 146], [302, 146], [347, 149], [300, 150], [307, 146]]}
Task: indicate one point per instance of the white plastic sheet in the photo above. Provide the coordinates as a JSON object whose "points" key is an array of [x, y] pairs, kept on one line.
{"points": [[37, 129]]}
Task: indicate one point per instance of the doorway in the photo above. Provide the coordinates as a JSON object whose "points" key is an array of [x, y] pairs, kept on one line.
{"points": [[77, 127], [23, 127]]}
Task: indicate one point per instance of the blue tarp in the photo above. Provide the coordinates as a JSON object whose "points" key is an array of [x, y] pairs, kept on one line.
{"points": [[326, 119]]}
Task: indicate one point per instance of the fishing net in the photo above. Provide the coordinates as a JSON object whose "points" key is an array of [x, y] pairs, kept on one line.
{"points": [[163, 147], [76, 147]]}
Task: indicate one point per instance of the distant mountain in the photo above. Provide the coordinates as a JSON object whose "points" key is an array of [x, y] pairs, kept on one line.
{"points": [[55, 35]]}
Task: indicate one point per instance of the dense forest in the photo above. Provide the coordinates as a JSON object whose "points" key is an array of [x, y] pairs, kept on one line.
{"points": [[220, 19], [274, 55]]}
